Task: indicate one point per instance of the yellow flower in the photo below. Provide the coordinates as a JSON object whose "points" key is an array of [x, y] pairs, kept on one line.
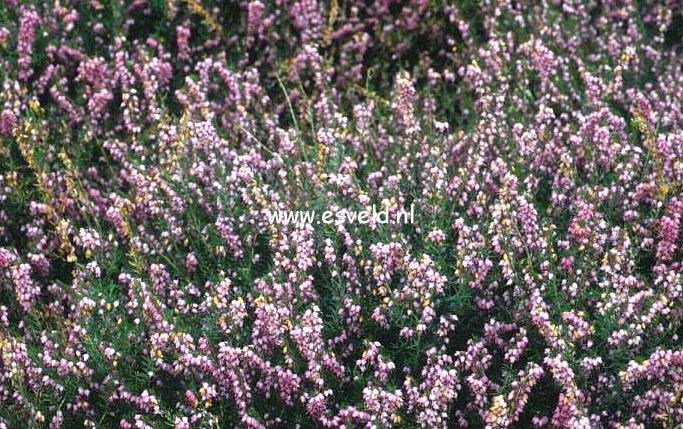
{"points": [[34, 105]]}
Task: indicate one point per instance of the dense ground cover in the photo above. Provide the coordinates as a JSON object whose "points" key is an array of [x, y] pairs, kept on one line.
{"points": [[143, 144]]}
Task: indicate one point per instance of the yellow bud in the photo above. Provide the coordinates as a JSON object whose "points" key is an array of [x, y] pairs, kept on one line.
{"points": [[34, 104]]}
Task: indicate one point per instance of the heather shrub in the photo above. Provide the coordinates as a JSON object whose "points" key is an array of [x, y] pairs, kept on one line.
{"points": [[145, 146]]}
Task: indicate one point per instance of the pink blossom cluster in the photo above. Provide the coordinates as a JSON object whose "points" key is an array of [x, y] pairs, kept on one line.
{"points": [[144, 143]]}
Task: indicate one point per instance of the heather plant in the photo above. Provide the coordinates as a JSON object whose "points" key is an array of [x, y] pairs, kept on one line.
{"points": [[144, 145]]}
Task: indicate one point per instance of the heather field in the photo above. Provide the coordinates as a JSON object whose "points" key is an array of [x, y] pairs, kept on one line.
{"points": [[152, 152]]}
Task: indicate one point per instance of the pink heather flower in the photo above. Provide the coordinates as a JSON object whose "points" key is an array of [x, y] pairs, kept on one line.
{"points": [[183, 38], [7, 122], [403, 103], [668, 231], [88, 239], [190, 398], [57, 420], [567, 264], [29, 21], [191, 262], [25, 289], [4, 33], [306, 16], [181, 423], [254, 13]]}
